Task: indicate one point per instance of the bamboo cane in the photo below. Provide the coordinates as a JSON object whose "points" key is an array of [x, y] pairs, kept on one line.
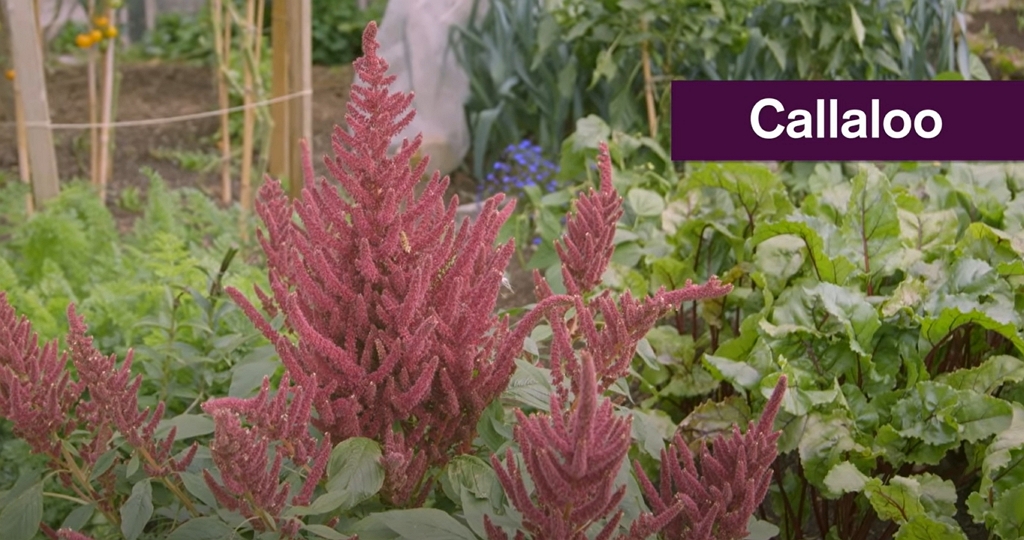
{"points": [[24, 168], [248, 117], [222, 44], [106, 129], [94, 130]]}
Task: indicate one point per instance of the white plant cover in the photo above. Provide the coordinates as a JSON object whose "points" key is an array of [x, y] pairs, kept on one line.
{"points": [[414, 39]]}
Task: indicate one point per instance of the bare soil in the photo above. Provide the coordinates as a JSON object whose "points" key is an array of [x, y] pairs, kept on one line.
{"points": [[161, 90]]}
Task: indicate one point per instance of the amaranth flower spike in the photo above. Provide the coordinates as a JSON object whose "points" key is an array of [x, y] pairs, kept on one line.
{"points": [[383, 297]]}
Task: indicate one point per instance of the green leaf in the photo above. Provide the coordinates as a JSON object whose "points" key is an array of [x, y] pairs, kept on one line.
{"points": [[414, 524], [857, 25], [606, 67], [738, 373], [987, 377], [78, 517], [871, 226], [851, 308], [197, 486], [845, 478], [923, 527], [898, 501], [203, 528], [189, 426], [20, 517], [832, 271], [645, 203], [935, 328], [928, 232], [355, 471], [1009, 513], [136, 511], [323, 531]]}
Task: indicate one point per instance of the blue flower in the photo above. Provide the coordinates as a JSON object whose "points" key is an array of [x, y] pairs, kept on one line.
{"points": [[522, 165]]}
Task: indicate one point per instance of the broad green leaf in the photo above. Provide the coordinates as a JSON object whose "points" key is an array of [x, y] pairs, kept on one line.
{"points": [[530, 386], [645, 203], [935, 327], [355, 470], [871, 226], [323, 531], [825, 441], [851, 309], [844, 478], [136, 511], [738, 373], [197, 486], [203, 528], [188, 426], [472, 482], [929, 232], [21, 515], [1008, 511], [828, 269], [780, 258], [713, 418], [988, 377], [78, 517], [414, 524], [898, 501], [924, 527]]}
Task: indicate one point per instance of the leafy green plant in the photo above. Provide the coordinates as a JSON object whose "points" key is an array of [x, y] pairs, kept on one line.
{"points": [[888, 299], [178, 38], [338, 28]]}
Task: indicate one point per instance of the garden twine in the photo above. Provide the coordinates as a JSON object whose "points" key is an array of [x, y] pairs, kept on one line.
{"points": [[167, 119]]}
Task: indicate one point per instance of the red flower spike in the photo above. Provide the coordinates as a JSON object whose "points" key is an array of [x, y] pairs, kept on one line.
{"points": [[250, 482], [383, 297], [718, 496]]}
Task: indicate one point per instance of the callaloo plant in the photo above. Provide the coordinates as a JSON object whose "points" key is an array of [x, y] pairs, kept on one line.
{"points": [[383, 297], [573, 453]]}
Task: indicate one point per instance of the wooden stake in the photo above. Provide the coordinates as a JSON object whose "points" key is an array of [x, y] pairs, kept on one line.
{"points": [[94, 110], [24, 170], [300, 77], [222, 45], [106, 129], [248, 115], [28, 66], [280, 138], [645, 56]]}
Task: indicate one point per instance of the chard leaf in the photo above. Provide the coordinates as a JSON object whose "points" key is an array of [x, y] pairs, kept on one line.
{"points": [[871, 227]]}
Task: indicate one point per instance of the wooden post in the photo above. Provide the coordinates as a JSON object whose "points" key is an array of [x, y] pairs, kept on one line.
{"points": [[300, 77], [280, 156], [31, 79]]}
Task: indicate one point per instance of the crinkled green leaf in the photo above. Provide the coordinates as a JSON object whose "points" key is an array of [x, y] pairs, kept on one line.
{"points": [[871, 226], [828, 269], [987, 377], [923, 527], [898, 501], [845, 477]]}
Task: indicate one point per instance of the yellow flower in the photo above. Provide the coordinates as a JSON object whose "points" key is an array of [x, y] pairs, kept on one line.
{"points": [[100, 21], [84, 41]]}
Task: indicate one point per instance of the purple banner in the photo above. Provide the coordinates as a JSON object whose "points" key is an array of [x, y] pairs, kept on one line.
{"points": [[848, 120]]}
